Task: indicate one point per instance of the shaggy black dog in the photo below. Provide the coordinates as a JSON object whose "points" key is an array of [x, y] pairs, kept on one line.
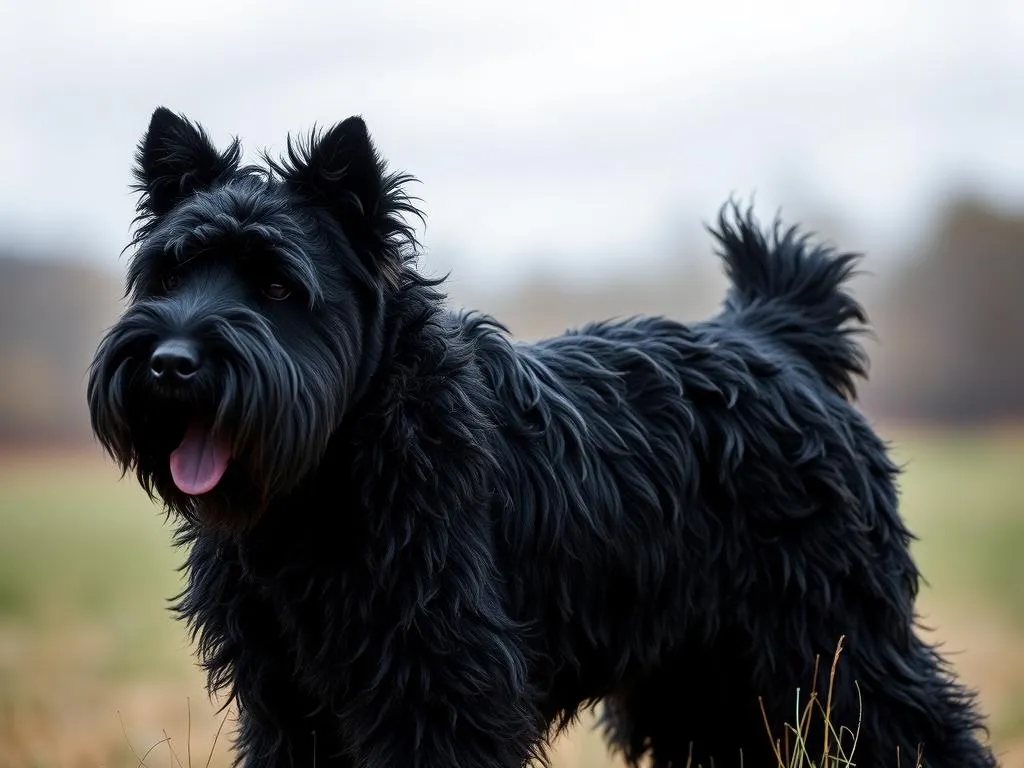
{"points": [[413, 541]]}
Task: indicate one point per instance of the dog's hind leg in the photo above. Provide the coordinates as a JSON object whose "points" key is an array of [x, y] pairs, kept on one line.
{"points": [[887, 704]]}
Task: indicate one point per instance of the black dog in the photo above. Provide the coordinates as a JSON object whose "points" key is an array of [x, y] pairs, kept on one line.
{"points": [[415, 542]]}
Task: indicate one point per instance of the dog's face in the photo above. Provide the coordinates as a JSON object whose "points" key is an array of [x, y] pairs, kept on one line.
{"points": [[257, 300]]}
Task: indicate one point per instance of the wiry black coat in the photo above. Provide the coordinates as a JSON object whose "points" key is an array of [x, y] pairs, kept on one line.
{"points": [[675, 519]]}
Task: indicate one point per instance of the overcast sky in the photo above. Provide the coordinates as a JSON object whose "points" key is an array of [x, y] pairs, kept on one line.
{"points": [[566, 135]]}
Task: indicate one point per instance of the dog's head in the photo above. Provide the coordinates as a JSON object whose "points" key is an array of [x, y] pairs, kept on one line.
{"points": [[257, 301]]}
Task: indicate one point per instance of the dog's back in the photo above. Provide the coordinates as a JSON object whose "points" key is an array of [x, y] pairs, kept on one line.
{"points": [[700, 510]]}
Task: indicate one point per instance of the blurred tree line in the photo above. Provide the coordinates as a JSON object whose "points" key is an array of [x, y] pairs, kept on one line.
{"points": [[949, 322], [52, 313]]}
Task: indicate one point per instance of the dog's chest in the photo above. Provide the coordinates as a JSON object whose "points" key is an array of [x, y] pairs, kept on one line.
{"points": [[324, 613]]}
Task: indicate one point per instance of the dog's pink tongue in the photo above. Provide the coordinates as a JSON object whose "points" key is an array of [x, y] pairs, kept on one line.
{"points": [[198, 464]]}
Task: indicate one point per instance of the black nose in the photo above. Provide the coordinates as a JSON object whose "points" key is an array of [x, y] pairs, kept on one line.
{"points": [[175, 361]]}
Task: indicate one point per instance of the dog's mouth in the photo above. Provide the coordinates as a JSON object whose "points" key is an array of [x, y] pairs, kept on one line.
{"points": [[180, 433], [200, 460]]}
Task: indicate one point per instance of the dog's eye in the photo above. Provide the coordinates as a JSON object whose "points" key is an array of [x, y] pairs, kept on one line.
{"points": [[276, 291], [171, 281]]}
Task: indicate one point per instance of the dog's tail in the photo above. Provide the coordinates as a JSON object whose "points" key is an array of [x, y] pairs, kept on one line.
{"points": [[795, 292]]}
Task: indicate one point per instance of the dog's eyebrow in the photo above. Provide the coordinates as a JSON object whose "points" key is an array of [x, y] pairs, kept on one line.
{"points": [[296, 267], [265, 238]]}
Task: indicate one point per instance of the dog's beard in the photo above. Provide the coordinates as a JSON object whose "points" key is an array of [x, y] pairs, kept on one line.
{"points": [[251, 426]]}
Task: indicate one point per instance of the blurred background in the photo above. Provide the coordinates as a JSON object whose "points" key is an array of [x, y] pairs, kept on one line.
{"points": [[570, 155]]}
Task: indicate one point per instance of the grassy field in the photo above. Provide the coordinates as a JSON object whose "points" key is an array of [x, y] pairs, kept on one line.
{"points": [[92, 668]]}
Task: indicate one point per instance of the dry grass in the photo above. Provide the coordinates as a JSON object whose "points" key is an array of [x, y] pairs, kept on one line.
{"points": [[839, 747], [795, 750], [86, 642]]}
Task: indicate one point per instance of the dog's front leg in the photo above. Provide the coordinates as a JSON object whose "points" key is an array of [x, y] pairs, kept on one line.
{"points": [[433, 732], [450, 692], [276, 735], [241, 648]]}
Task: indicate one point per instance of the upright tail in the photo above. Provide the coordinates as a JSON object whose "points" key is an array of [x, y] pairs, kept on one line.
{"points": [[794, 291]]}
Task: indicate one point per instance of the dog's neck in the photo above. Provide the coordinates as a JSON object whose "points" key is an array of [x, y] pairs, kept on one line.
{"points": [[407, 326]]}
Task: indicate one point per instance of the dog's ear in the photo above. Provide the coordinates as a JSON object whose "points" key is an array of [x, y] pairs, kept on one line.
{"points": [[176, 158], [340, 171]]}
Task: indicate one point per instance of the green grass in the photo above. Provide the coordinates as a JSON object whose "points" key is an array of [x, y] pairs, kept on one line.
{"points": [[86, 567], [85, 550], [963, 495], [77, 540]]}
